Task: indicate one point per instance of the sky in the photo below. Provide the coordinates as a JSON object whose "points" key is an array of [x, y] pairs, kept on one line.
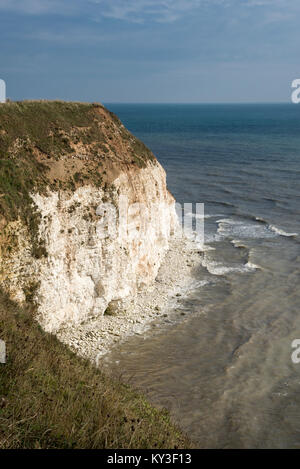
{"points": [[149, 51]]}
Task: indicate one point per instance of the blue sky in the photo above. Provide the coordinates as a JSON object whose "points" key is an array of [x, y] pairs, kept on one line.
{"points": [[150, 50]]}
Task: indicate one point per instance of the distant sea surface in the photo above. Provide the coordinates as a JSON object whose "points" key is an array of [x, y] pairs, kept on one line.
{"points": [[225, 370]]}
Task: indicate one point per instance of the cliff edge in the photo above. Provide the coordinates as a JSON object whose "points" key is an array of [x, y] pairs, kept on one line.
{"points": [[85, 214]]}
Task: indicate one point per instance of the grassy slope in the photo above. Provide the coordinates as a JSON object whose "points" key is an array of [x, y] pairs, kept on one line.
{"points": [[50, 398]]}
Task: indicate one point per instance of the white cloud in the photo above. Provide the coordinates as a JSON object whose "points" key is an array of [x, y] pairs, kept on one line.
{"points": [[171, 10], [26, 6], [129, 10], [139, 11]]}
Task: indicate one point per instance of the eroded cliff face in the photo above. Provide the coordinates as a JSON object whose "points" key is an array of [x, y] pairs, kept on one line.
{"points": [[101, 221]]}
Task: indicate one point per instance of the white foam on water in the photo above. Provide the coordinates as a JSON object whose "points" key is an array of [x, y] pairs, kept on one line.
{"points": [[196, 284], [213, 237], [260, 219], [217, 268], [240, 229], [200, 216], [252, 266], [238, 243], [282, 232], [230, 221], [231, 227]]}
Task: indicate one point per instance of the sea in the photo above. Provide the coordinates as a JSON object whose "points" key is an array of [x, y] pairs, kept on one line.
{"points": [[226, 367]]}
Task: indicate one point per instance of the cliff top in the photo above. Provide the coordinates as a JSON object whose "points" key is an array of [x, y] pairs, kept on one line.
{"points": [[62, 145]]}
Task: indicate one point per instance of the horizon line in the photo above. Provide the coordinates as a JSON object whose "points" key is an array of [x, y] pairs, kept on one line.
{"points": [[197, 103]]}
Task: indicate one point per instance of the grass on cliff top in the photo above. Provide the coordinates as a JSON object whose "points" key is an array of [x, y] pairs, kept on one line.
{"points": [[24, 128], [49, 124], [29, 129], [34, 135], [50, 398]]}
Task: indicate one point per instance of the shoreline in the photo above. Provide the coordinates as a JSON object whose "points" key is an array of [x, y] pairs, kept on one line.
{"points": [[96, 337]]}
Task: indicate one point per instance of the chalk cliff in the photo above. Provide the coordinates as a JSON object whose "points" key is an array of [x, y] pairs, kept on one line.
{"points": [[85, 214]]}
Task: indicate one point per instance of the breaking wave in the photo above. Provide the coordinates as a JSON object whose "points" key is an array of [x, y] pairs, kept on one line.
{"points": [[218, 268], [282, 232]]}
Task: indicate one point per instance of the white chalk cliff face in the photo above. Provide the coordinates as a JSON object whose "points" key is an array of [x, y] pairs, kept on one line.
{"points": [[100, 248], [87, 219]]}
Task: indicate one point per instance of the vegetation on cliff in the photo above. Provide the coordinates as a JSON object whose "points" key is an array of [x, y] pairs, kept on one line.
{"points": [[50, 398], [59, 145]]}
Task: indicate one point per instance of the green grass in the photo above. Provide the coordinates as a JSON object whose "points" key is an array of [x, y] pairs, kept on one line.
{"points": [[50, 398]]}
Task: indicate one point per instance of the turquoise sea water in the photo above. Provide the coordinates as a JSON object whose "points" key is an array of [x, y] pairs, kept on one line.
{"points": [[225, 370]]}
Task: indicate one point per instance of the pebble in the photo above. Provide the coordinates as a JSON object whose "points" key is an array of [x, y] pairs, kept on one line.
{"points": [[105, 332]]}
